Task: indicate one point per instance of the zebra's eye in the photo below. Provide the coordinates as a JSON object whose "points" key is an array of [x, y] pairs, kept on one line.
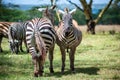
{"points": [[70, 20]]}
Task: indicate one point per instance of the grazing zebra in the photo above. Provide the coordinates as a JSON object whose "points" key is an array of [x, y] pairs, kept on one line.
{"points": [[16, 35], [68, 37], [40, 38], [4, 26]]}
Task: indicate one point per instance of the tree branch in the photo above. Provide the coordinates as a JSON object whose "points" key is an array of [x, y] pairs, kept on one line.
{"points": [[87, 10], [75, 5], [90, 3], [52, 2], [103, 11]]}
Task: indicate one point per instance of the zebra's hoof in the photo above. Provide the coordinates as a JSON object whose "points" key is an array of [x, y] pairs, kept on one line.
{"points": [[51, 70], [27, 51], [1, 50], [40, 74], [62, 70], [73, 71], [36, 74], [22, 51]]}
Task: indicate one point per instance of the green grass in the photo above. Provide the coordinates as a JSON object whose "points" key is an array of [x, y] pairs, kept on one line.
{"points": [[96, 58]]}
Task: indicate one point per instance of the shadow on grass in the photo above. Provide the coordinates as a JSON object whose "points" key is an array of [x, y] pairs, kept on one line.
{"points": [[118, 36], [87, 70], [5, 52], [5, 63]]}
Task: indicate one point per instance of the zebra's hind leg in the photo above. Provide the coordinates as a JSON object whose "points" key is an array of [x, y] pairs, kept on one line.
{"points": [[71, 57], [40, 63], [63, 58], [27, 50], [21, 46], [0, 43], [51, 59], [36, 72]]}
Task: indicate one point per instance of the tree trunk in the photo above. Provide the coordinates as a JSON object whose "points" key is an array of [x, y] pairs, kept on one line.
{"points": [[88, 16], [90, 26], [87, 9]]}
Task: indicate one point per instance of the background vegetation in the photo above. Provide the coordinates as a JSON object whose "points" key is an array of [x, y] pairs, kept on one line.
{"points": [[112, 15]]}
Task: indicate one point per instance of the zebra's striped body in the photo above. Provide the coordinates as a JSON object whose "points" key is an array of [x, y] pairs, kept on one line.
{"points": [[69, 36], [16, 35], [47, 33], [40, 38], [4, 26], [45, 28], [68, 39]]}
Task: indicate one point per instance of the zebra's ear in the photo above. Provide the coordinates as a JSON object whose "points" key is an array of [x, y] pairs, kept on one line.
{"points": [[53, 7], [61, 11], [41, 9], [46, 10], [72, 11], [66, 10]]}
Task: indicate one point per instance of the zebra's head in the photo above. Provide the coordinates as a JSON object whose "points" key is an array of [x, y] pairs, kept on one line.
{"points": [[14, 46], [48, 12], [67, 21]]}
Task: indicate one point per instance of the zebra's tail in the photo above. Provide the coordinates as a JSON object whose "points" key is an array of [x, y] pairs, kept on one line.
{"points": [[40, 45]]}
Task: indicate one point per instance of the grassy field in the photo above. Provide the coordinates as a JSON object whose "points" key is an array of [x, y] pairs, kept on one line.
{"points": [[96, 58]]}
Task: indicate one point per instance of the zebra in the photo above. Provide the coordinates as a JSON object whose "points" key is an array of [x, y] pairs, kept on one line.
{"points": [[4, 26], [69, 36], [16, 35], [40, 38]]}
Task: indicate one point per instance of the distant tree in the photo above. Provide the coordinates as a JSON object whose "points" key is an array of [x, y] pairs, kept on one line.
{"points": [[114, 10], [87, 10], [7, 14], [0, 3]]}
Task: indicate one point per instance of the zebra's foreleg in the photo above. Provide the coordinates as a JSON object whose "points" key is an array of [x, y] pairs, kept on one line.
{"points": [[71, 57], [63, 58], [51, 59]]}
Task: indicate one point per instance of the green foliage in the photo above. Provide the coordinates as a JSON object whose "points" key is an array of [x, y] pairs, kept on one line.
{"points": [[18, 15], [79, 17], [112, 15]]}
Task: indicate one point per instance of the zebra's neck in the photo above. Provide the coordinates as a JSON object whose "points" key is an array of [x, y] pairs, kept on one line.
{"points": [[71, 37]]}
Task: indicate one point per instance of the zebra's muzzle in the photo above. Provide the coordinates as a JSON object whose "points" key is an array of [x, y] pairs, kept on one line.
{"points": [[67, 33]]}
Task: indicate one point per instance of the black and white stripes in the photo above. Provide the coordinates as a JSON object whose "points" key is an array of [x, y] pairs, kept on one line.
{"points": [[66, 31], [47, 34], [16, 34], [4, 26], [69, 36], [40, 38], [45, 28]]}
